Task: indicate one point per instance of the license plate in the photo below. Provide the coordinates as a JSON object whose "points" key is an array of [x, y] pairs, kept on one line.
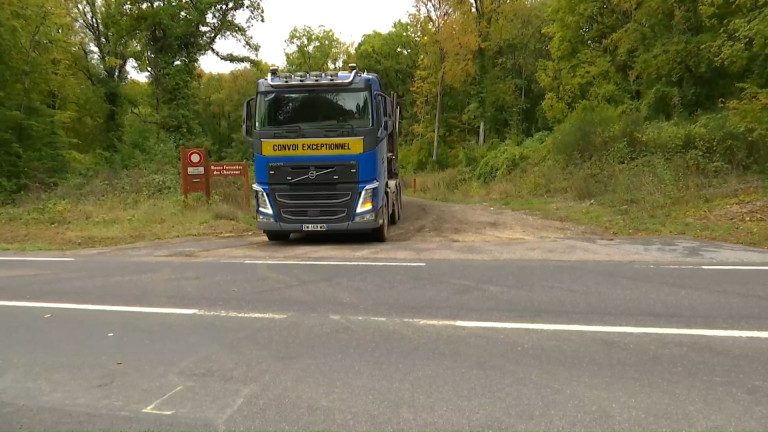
{"points": [[315, 227]]}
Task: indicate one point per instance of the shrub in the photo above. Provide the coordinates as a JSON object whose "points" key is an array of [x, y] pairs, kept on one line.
{"points": [[500, 162], [586, 133]]}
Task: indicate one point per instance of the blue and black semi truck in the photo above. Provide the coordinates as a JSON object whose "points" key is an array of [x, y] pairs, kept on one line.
{"points": [[325, 153]]}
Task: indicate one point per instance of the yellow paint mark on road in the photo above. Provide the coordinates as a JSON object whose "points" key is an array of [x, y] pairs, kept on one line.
{"points": [[151, 409]]}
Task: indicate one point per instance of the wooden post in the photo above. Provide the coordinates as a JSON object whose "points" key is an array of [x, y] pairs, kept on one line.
{"points": [[183, 154], [414, 185], [194, 172], [246, 186]]}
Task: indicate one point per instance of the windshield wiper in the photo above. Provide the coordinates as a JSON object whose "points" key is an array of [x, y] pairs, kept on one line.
{"points": [[337, 127], [280, 131], [295, 127]]}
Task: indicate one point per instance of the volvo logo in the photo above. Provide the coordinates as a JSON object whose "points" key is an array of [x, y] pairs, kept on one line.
{"points": [[313, 175]]}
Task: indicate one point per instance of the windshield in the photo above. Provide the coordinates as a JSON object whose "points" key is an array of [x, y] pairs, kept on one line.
{"points": [[313, 108]]}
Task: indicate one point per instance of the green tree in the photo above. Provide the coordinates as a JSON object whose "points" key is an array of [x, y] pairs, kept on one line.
{"points": [[315, 50], [741, 44], [393, 56], [39, 92], [107, 45], [219, 110], [516, 45], [581, 67], [618, 52], [173, 35], [448, 44]]}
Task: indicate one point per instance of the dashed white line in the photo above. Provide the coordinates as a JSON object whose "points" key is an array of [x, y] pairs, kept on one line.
{"points": [[578, 328], [242, 314], [718, 267], [425, 322], [607, 329], [34, 259], [172, 311], [340, 263], [100, 307]]}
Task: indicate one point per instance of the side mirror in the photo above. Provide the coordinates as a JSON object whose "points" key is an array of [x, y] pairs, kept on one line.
{"points": [[249, 108], [389, 125], [381, 111]]}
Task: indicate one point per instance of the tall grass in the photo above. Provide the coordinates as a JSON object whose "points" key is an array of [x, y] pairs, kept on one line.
{"points": [[115, 208]]}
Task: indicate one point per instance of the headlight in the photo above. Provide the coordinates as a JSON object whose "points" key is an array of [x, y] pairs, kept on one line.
{"points": [[262, 202], [366, 199]]}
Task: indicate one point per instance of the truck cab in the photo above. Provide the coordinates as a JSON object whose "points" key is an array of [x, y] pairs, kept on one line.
{"points": [[325, 154]]}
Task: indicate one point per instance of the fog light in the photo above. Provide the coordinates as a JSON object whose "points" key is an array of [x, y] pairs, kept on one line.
{"points": [[262, 218], [366, 217]]}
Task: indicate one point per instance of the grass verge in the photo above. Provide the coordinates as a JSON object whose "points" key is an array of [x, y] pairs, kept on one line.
{"points": [[109, 213]]}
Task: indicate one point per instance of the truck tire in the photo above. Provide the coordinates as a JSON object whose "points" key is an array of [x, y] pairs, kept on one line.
{"points": [[399, 203], [276, 236], [381, 233], [394, 216]]}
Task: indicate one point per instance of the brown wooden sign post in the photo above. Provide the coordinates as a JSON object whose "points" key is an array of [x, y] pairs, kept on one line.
{"points": [[196, 173]]}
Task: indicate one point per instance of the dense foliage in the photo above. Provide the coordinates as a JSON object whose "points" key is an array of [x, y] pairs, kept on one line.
{"points": [[487, 86], [632, 78], [68, 107]]}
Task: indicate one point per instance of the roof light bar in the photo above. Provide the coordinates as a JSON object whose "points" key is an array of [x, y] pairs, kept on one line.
{"points": [[300, 79]]}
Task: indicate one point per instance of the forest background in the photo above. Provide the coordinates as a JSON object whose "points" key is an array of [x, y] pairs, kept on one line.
{"points": [[637, 116]]}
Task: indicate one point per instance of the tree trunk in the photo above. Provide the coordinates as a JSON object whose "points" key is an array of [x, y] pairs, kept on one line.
{"points": [[483, 22], [113, 121], [522, 107], [439, 112]]}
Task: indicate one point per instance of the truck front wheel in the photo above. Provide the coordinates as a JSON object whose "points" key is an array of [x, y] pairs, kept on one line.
{"points": [[275, 236], [380, 234]]}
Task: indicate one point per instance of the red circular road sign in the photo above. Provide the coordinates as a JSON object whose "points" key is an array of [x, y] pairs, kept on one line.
{"points": [[195, 158]]}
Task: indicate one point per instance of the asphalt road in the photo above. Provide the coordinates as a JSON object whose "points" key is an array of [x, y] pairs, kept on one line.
{"points": [[143, 339]]}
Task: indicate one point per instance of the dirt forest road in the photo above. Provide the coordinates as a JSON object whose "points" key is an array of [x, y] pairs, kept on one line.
{"points": [[433, 230], [433, 221]]}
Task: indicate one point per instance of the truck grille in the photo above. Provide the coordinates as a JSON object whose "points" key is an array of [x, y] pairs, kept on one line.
{"points": [[310, 203], [314, 214], [313, 197]]}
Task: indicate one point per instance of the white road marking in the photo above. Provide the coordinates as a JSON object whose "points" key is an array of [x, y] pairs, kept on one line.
{"points": [[428, 322], [151, 409], [100, 307], [172, 311], [34, 259], [598, 329], [242, 315], [719, 267], [340, 263]]}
